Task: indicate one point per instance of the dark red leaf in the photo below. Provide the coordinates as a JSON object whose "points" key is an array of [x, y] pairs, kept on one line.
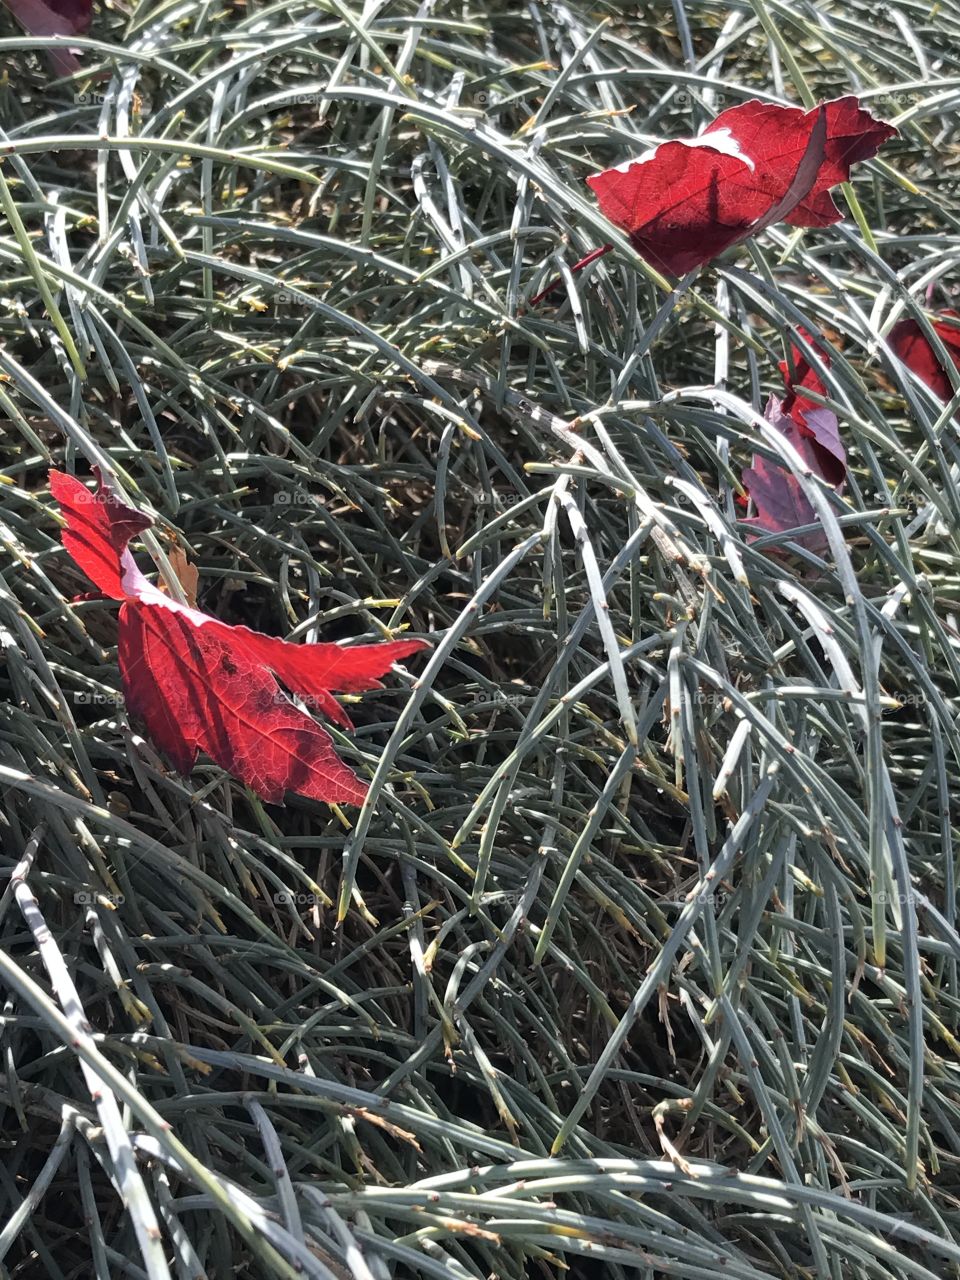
{"points": [[681, 204], [817, 433], [684, 202], [780, 502], [908, 343], [817, 440], [775, 137], [797, 374], [777, 494], [201, 685], [54, 18]]}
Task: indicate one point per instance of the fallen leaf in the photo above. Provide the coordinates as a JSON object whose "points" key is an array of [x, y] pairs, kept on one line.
{"points": [[685, 201], [814, 432], [817, 435], [55, 18], [780, 501], [908, 344], [776, 492], [817, 440], [199, 684], [187, 574], [799, 376]]}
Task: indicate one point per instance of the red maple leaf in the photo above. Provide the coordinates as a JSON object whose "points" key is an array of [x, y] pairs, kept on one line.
{"points": [[55, 18], [776, 493], [685, 201], [780, 502], [908, 343], [817, 434], [199, 684], [799, 374]]}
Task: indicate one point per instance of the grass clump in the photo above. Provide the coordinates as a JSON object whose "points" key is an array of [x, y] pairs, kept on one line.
{"points": [[641, 958]]}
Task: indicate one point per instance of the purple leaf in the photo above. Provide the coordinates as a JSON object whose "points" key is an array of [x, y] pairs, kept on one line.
{"points": [[780, 502], [54, 18], [815, 434], [777, 494], [818, 443]]}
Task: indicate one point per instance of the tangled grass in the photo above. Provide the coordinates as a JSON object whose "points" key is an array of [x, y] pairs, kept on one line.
{"points": [[641, 958]]}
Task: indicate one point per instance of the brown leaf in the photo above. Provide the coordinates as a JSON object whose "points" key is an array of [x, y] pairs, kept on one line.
{"points": [[188, 575]]}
